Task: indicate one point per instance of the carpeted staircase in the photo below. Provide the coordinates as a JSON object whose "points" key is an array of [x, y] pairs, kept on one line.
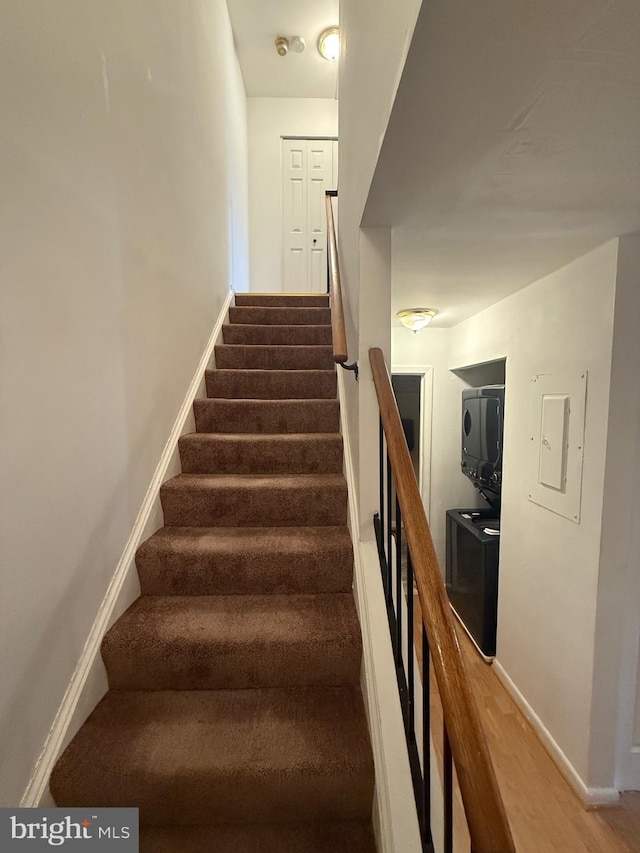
{"points": [[234, 718]]}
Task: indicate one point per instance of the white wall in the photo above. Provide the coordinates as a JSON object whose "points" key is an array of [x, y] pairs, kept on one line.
{"points": [[123, 183], [269, 119], [374, 50], [617, 663], [375, 331]]}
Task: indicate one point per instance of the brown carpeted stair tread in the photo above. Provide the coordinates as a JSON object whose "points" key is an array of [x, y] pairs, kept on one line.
{"points": [[223, 756], [272, 384], [241, 560], [258, 315], [235, 333], [234, 641], [256, 357], [338, 837], [312, 453], [254, 500], [287, 300], [266, 416]]}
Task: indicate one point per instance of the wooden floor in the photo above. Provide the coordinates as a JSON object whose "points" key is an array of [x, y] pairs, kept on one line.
{"points": [[545, 815]]}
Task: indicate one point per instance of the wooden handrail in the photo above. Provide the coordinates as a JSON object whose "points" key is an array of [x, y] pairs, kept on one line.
{"points": [[484, 809], [339, 334]]}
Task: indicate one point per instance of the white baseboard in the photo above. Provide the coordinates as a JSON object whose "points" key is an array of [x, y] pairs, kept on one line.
{"points": [[394, 814], [88, 682], [590, 797]]}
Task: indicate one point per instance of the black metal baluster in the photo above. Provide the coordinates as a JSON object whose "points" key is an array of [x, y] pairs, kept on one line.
{"points": [[426, 734], [411, 732], [384, 564], [448, 791], [389, 531], [420, 766], [381, 485], [399, 661]]}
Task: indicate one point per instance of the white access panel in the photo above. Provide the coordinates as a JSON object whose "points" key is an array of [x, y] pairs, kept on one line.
{"points": [[557, 442]]}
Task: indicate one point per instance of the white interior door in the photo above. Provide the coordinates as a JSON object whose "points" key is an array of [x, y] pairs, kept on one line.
{"points": [[294, 214], [307, 171]]}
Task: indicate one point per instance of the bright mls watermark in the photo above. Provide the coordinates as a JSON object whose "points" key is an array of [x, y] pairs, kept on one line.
{"points": [[69, 829]]}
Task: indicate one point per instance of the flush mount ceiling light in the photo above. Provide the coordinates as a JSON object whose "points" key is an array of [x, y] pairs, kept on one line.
{"points": [[329, 44], [416, 318]]}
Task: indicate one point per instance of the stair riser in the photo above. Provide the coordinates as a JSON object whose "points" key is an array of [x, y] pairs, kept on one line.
{"points": [[284, 300], [238, 357], [202, 454], [284, 797], [211, 666], [277, 335], [272, 385], [253, 507], [180, 576], [342, 837], [266, 417], [257, 316]]}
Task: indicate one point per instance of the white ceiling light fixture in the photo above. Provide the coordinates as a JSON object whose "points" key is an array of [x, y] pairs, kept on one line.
{"points": [[329, 44], [416, 318]]}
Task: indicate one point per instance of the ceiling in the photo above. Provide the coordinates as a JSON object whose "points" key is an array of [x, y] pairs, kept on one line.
{"points": [[256, 23], [513, 147]]}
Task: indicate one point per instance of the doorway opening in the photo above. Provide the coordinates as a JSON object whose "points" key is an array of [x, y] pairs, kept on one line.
{"points": [[413, 389], [413, 392]]}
